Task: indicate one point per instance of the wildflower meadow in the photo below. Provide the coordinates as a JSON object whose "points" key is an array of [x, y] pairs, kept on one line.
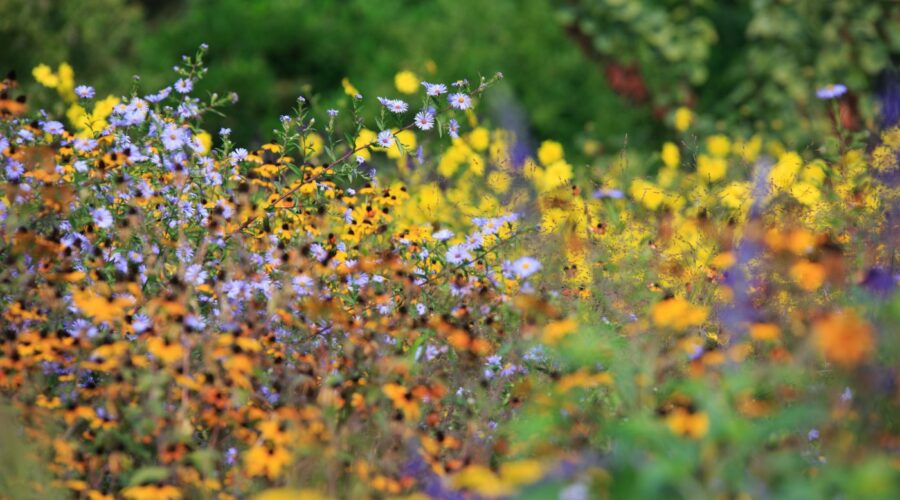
{"points": [[418, 285]]}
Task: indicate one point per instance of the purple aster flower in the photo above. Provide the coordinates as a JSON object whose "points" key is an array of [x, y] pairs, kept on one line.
{"points": [[183, 86], [526, 266], [453, 129], [332, 112], [102, 217], [460, 101], [84, 91], [458, 254], [238, 155], [385, 139], [608, 193], [424, 120], [393, 105], [172, 137], [434, 89], [195, 274], [53, 127], [159, 96], [443, 235]]}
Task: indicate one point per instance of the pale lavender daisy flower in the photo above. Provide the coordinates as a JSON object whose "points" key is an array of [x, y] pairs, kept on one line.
{"points": [[424, 120], [183, 86], [526, 266], [385, 139], [434, 89], [102, 217], [460, 101], [84, 91]]}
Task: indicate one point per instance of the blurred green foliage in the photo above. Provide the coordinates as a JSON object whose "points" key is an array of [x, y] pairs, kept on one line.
{"points": [[746, 63], [97, 37]]}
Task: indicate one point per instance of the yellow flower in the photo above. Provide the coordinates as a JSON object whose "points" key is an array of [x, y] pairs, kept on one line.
{"points": [[498, 181], [647, 193], [806, 193], [736, 195], [749, 150], [718, 145], [205, 141], [550, 152], [844, 337], [289, 494], [364, 138], [101, 308], [403, 400], [262, 460], [406, 82], [349, 89], [683, 118], [785, 171], [555, 331], [711, 168], [45, 76], [678, 313], [164, 349], [152, 492], [66, 87], [671, 156], [479, 139], [312, 145]]}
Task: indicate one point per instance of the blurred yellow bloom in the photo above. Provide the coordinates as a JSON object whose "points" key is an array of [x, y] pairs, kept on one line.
{"points": [[45, 76], [806, 193], [683, 118], [313, 145], [289, 494], [205, 141], [785, 171], [555, 331], [550, 152], [736, 195], [671, 156], [406, 82], [498, 181], [678, 313], [479, 138], [718, 145], [349, 89], [711, 169], [647, 193]]}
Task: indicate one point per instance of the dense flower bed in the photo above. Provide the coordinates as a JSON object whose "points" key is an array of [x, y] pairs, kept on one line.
{"points": [[412, 305]]}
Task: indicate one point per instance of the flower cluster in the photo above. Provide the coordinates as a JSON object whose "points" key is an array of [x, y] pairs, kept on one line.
{"points": [[402, 308]]}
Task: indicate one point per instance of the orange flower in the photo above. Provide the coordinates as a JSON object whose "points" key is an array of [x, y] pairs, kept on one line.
{"points": [[844, 337], [262, 460], [678, 313], [685, 423], [164, 349], [764, 331], [100, 308], [808, 275], [403, 400]]}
